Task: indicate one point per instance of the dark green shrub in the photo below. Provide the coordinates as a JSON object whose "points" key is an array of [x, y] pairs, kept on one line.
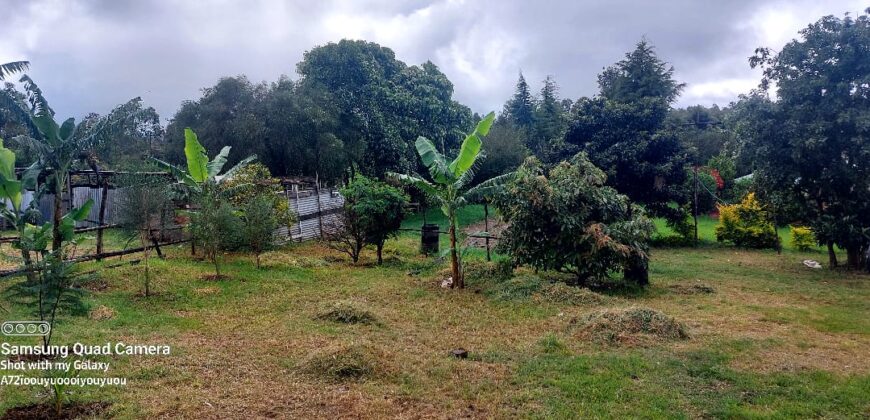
{"points": [[260, 223]]}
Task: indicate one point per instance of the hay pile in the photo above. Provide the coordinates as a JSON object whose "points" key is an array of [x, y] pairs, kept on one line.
{"points": [[569, 295], [630, 325], [347, 312], [692, 289], [346, 362]]}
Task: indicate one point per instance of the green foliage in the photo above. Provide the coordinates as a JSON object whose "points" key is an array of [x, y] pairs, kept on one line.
{"points": [[451, 181], [623, 132], [810, 147], [520, 109], [568, 220], [144, 207], [259, 225], [504, 149], [802, 238], [255, 180], [746, 224], [373, 213], [215, 226]]}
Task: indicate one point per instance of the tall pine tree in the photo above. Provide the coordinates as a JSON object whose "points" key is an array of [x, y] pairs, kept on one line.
{"points": [[520, 109]]}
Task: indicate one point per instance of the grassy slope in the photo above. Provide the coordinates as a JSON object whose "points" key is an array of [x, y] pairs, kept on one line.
{"points": [[775, 340]]}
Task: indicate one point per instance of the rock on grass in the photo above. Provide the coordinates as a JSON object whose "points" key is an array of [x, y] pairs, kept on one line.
{"points": [[626, 325], [347, 312], [346, 362]]}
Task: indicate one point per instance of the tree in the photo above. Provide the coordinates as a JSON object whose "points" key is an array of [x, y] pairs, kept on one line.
{"points": [[504, 149], [141, 205], [811, 145], [380, 207], [59, 146], [214, 223], [621, 130], [8, 69], [259, 225], [568, 220], [520, 109], [382, 103], [449, 185]]}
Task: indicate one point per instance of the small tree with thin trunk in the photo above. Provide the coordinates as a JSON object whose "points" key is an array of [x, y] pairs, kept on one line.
{"points": [[373, 213], [449, 184], [140, 204], [260, 223]]}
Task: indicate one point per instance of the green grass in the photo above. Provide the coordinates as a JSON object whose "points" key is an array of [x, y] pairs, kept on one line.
{"points": [[775, 340]]}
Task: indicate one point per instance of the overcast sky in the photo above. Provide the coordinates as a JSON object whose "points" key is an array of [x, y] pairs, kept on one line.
{"points": [[90, 55]]}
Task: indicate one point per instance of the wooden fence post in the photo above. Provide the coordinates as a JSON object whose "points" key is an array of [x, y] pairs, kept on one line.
{"points": [[319, 209], [486, 226], [101, 219]]}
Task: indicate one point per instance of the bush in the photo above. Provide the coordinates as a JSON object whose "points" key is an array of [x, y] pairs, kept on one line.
{"points": [[802, 238], [746, 224], [215, 227], [373, 212], [567, 220], [260, 225], [255, 180]]}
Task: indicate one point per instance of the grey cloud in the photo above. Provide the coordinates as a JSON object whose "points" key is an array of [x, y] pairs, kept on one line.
{"points": [[89, 55]]}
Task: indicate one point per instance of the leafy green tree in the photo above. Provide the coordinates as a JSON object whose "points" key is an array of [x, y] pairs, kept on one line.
{"points": [[450, 181], [8, 69], [382, 103], [622, 132], [377, 207], [259, 225], [215, 226], [568, 220], [811, 146], [504, 149]]}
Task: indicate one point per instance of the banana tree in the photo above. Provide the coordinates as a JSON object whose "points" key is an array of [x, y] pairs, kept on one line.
{"points": [[59, 146], [449, 183], [8, 69], [203, 181]]}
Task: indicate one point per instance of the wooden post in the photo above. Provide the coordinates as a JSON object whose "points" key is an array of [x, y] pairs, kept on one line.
{"points": [[695, 212], [319, 210], [486, 226], [102, 216]]}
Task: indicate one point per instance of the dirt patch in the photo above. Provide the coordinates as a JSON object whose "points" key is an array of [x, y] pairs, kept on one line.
{"points": [[630, 325], [692, 289], [496, 227], [96, 285], [568, 295], [214, 277], [47, 411], [101, 313], [347, 312]]}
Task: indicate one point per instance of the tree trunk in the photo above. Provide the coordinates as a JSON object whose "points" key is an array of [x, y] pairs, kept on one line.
{"points": [[258, 261], [147, 273], [217, 267], [56, 241], [458, 281], [637, 270], [853, 257], [832, 256], [380, 253]]}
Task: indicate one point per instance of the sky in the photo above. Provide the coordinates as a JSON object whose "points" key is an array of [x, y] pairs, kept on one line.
{"points": [[91, 55]]}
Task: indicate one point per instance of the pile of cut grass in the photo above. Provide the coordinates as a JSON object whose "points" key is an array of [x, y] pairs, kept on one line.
{"points": [[562, 293], [348, 312], [629, 325], [346, 362], [692, 289]]}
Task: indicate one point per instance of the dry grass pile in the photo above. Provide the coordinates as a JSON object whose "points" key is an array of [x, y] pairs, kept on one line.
{"points": [[569, 295], [523, 286], [286, 260], [346, 362], [347, 312], [629, 325]]}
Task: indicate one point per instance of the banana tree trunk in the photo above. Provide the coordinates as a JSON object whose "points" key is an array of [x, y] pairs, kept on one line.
{"points": [[458, 281]]}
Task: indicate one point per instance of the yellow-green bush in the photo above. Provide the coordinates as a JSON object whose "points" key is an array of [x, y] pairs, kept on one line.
{"points": [[746, 224], [802, 238]]}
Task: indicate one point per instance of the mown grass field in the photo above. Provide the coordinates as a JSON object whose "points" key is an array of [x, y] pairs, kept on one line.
{"points": [[774, 340]]}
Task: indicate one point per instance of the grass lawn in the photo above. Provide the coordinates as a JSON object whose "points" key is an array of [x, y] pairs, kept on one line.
{"points": [[774, 339]]}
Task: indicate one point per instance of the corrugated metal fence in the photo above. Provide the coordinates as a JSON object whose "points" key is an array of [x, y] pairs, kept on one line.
{"points": [[314, 209]]}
